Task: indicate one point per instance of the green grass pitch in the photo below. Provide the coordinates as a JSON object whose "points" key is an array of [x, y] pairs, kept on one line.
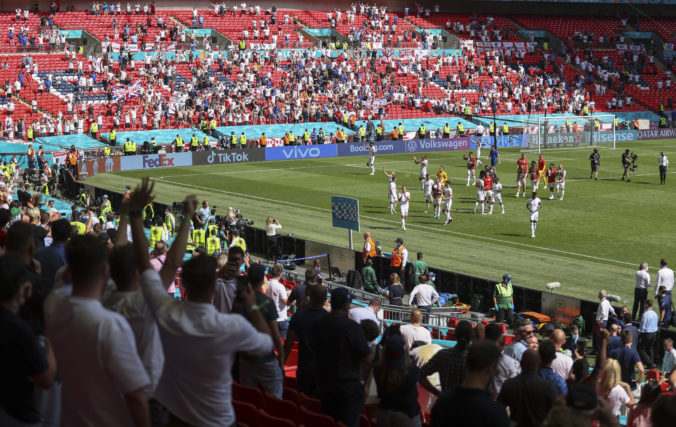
{"points": [[593, 239]]}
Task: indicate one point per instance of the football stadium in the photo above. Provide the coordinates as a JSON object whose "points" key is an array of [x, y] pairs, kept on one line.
{"points": [[349, 214]]}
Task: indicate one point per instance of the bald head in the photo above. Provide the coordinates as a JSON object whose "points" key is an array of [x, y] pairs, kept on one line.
{"points": [[416, 316], [530, 361], [558, 338], [367, 235]]}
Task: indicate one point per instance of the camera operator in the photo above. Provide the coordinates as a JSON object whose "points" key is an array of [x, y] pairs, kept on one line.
{"points": [[626, 164], [271, 227]]}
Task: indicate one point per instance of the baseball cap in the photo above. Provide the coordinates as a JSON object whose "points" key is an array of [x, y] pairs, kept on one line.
{"points": [[340, 297], [547, 327], [506, 277], [256, 272], [399, 240], [105, 196], [15, 211], [432, 274], [395, 351]]}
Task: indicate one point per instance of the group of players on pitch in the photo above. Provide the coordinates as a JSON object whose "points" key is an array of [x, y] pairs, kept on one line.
{"points": [[439, 193]]}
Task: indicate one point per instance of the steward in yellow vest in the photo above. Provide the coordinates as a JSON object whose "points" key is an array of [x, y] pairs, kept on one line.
{"points": [[113, 137]]}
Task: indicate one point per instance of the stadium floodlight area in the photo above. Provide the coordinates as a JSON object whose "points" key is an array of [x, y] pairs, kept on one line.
{"points": [[569, 131]]}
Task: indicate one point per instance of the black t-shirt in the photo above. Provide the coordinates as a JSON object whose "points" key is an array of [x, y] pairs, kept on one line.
{"points": [[405, 398], [266, 307], [595, 158], [301, 323], [39, 235], [21, 357], [529, 398], [339, 344], [396, 293], [297, 294], [468, 407], [626, 160]]}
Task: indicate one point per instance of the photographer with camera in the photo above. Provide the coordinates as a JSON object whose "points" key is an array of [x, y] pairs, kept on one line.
{"points": [[271, 227], [627, 162]]}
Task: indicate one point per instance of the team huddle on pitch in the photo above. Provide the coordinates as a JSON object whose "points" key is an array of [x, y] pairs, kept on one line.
{"points": [[439, 194]]}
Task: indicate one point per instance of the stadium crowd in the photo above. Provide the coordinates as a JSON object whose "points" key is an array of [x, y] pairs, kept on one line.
{"points": [[91, 319]]}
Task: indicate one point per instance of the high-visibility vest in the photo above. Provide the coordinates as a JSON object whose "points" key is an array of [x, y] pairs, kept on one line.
{"points": [[240, 242], [113, 137], [344, 45], [204, 125], [663, 121], [504, 295], [199, 237], [44, 189], [616, 122], [213, 245], [72, 158], [205, 141], [95, 127], [29, 133], [379, 130], [128, 147], [194, 142], [306, 136], [362, 131], [133, 146], [468, 111], [169, 221], [396, 259], [401, 130], [242, 45], [585, 110], [179, 142], [372, 252], [264, 140], [492, 128], [242, 140], [212, 229], [461, 128], [597, 124], [147, 207], [345, 119], [568, 123], [292, 137], [505, 129], [422, 130], [155, 235], [395, 133], [105, 208], [332, 45], [447, 128], [233, 139], [106, 151], [214, 124], [81, 228]]}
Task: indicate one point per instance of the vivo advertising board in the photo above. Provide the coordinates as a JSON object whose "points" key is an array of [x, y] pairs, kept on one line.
{"points": [[297, 152], [155, 161]]}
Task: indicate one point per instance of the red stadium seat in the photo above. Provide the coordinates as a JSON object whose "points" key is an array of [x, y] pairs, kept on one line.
{"points": [[271, 421], [248, 394], [291, 395], [246, 413], [281, 408], [311, 418], [311, 404]]}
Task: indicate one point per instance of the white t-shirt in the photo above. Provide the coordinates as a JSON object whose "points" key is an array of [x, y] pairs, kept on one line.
{"points": [[277, 292], [363, 313], [412, 334], [97, 359], [423, 168], [199, 344], [372, 152], [562, 365], [393, 191], [618, 396], [427, 186], [404, 199], [534, 204]]}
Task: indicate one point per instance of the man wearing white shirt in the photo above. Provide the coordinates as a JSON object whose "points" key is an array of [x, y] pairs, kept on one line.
{"points": [[562, 363], [641, 290], [604, 309], [665, 277], [277, 292], [663, 162], [426, 296], [413, 332], [103, 376], [199, 341], [366, 313]]}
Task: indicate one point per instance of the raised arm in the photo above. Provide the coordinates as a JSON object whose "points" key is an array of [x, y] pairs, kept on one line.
{"points": [[175, 254]]}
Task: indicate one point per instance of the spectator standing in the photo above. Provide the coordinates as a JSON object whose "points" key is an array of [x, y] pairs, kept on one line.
{"points": [[604, 310], [647, 334], [53, 257], [611, 388], [397, 384], [449, 362], [669, 359], [528, 396], [562, 363], [470, 404], [629, 360], [523, 331], [298, 293], [639, 414], [641, 290], [265, 369], [547, 355], [199, 341], [25, 362], [339, 345], [277, 293], [226, 283], [424, 296], [369, 312], [299, 329], [104, 380], [395, 292], [665, 277], [413, 332], [507, 367], [664, 302], [369, 279], [629, 326]]}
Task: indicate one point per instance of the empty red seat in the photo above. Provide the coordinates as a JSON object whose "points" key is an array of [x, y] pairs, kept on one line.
{"points": [[310, 418], [271, 421], [282, 408], [306, 401], [248, 394], [246, 413]]}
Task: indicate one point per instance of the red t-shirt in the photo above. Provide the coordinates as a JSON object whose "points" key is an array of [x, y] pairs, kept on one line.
{"points": [[551, 175], [488, 183], [542, 164], [522, 164]]}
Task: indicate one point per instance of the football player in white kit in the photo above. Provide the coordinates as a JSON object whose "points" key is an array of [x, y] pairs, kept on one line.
{"points": [[404, 198], [448, 202], [560, 182], [428, 183], [534, 204], [471, 167], [480, 193], [392, 190], [497, 194], [479, 145], [372, 157], [423, 169], [437, 190]]}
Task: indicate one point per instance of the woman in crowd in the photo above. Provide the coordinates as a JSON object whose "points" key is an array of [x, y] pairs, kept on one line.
{"points": [[611, 387], [396, 290], [639, 415]]}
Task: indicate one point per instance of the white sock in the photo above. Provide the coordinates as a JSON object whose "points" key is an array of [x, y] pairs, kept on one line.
{"points": [[392, 206], [373, 168], [403, 222], [503, 208], [437, 211], [483, 207], [562, 193], [468, 177], [532, 228], [448, 216], [490, 210], [475, 205]]}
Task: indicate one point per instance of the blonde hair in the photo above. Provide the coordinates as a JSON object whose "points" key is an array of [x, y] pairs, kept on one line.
{"points": [[268, 221], [394, 278], [609, 377]]}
